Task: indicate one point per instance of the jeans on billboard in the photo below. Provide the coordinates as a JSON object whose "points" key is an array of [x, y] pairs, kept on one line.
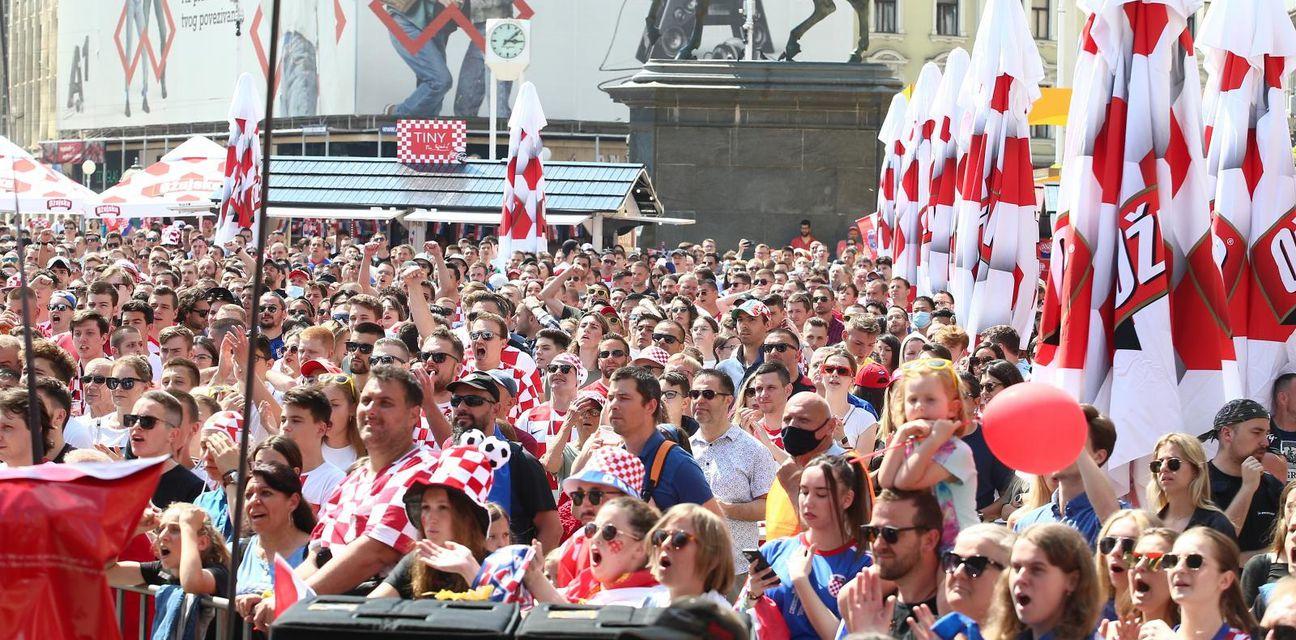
{"points": [[473, 76], [299, 95], [431, 75]]}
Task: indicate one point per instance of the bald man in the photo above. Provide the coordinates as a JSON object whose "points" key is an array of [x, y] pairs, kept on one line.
{"points": [[808, 427], [1277, 601]]}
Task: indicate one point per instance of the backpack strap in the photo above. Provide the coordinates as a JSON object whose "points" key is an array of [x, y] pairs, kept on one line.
{"points": [[654, 474]]}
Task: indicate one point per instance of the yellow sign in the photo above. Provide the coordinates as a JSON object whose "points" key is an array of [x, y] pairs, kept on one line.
{"points": [[1050, 109]]}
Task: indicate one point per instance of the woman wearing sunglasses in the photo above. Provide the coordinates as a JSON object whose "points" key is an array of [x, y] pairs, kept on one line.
{"points": [[834, 501], [618, 559], [1149, 588], [1179, 490], [1116, 541], [1203, 574], [131, 377], [1051, 588], [835, 376], [690, 554], [972, 569], [996, 376]]}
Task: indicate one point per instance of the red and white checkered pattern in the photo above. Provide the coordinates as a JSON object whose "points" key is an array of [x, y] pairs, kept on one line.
{"points": [[431, 141], [372, 504], [613, 467], [542, 422], [525, 373], [470, 468], [522, 220], [231, 422], [240, 202], [914, 189], [423, 433]]}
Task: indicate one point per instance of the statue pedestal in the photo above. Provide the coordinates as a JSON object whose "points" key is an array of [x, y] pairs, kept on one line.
{"points": [[750, 149]]}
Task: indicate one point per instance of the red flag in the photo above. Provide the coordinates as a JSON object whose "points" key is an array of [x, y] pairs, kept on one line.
{"points": [[60, 524], [288, 588]]}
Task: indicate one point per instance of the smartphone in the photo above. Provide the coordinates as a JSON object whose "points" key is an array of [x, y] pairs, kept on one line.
{"points": [[754, 556]]}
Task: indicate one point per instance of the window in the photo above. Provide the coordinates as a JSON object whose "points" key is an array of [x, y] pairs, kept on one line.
{"points": [[1040, 11], [1041, 132], [885, 16], [947, 17]]}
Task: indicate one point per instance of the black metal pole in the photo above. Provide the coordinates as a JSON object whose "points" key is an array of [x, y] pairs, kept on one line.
{"points": [[258, 288]]}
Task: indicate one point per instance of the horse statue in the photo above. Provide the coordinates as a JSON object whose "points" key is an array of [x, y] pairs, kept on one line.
{"points": [[822, 8]]}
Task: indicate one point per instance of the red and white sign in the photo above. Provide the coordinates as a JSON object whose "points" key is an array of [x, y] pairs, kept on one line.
{"points": [[431, 141]]}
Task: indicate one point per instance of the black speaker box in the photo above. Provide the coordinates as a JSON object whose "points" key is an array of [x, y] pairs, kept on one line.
{"points": [[586, 622], [330, 617]]}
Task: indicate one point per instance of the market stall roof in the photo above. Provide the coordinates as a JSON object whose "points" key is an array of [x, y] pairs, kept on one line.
{"points": [[183, 178], [37, 188]]}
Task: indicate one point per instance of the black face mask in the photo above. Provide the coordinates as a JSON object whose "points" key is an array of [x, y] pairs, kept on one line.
{"points": [[798, 442]]}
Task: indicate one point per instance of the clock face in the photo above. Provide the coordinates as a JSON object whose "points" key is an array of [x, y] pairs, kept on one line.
{"points": [[507, 41]]}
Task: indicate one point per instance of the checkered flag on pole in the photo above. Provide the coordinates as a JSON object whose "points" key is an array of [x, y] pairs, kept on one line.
{"points": [[241, 197], [522, 223]]}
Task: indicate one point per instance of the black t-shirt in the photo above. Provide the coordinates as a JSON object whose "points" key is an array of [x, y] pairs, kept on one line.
{"points": [[530, 494], [62, 454], [1258, 527], [993, 476], [401, 578], [1283, 443], [899, 627], [1213, 519], [177, 485], [154, 575]]}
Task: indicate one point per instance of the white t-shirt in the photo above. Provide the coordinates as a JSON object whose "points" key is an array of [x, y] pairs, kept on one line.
{"points": [[342, 457], [660, 597], [318, 483], [77, 432], [856, 422]]}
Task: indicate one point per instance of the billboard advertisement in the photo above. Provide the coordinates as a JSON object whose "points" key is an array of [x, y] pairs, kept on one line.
{"points": [[130, 63]]}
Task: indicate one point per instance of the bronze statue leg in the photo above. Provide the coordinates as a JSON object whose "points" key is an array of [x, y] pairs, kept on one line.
{"points": [[862, 16], [699, 17], [822, 8]]}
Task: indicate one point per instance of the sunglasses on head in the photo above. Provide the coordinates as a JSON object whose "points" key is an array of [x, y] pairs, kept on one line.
{"points": [[973, 565], [615, 353], [675, 538], [472, 401], [595, 496], [665, 337], [705, 393], [608, 532], [890, 535], [560, 368], [1193, 561], [145, 422], [125, 383], [1173, 464], [437, 358], [1111, 543], [363, 348]]}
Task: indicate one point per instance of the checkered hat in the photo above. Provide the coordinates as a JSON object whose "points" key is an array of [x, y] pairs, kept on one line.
{"points": [[503, 569], [572, 360], [469, 467], [752, 307], [654, 355], [611, 466], [231, 422]]}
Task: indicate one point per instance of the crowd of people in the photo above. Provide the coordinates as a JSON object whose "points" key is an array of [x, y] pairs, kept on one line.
{"points": [[790, 435]]}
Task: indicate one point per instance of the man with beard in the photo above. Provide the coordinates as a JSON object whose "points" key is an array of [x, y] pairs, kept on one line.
{"points": [[823, 302], [273, 310], [613, 353], [442, 354], [521, 486], [359, 347], [904, 535], [1239, 484]]}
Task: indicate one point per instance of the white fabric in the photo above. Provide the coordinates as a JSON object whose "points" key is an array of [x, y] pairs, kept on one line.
{"points": [[318, 483]]}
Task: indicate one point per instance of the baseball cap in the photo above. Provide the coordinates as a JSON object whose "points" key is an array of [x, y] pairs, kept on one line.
{"points": [[221, 294], [479, 380], [873, 376], [298, 273], [652, 355], [59, 261], [505, 381], [752, 307], [65, 296], [316, 367]]}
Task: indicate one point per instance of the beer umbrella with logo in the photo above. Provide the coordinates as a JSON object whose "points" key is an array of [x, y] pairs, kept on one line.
{"points": [[29, 187], [183, 180]]}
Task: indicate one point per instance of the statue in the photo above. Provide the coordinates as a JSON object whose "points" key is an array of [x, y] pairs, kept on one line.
{"points": [[822, 8], [653, 33]]}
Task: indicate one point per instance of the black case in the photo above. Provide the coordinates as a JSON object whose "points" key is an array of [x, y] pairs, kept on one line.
{"points": [[329, 617], [585, 622]]}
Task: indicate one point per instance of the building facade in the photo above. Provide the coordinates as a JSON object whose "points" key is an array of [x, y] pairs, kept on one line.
{"points": [[33, 39]]}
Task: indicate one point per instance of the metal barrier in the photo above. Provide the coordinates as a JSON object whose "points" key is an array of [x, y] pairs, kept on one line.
{"points": [[146, 606]]}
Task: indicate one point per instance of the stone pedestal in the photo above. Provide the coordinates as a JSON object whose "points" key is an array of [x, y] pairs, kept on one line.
{"points": [[749, 149]]}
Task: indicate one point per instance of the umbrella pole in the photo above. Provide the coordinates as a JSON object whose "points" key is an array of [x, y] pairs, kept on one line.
{"points": [[258, 288]]}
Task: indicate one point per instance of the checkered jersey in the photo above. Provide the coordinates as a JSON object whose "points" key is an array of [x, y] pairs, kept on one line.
{"points": [[423, 432], [525, 373], [371, 504], [542, 422]]}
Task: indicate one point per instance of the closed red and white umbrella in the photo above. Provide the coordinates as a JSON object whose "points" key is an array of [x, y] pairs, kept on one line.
{"points": [[937, 222], [241, 197], [1250, 49], [914, 190], [891, 135], [996, 267], [522, 224], [1131, 317]]}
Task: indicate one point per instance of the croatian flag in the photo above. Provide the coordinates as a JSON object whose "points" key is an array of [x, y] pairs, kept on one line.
{"points": [[915, 176], [891, 135], [522, 222], [934, 259], [288, 588], [241, 197]]}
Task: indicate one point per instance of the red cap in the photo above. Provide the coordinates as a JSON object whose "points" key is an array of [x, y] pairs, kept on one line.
{"points": [[298, 272], [315, 367], [873, 376]]}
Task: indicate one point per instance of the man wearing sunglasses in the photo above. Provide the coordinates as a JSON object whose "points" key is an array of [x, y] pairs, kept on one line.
{"points": [[489, 350], [359, 348], [153, 427], [904, 535], [783, 347], [565, 374], [520, 486]]}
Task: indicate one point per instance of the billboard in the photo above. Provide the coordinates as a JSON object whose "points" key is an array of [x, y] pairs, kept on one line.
{"points": [[130, 63]]}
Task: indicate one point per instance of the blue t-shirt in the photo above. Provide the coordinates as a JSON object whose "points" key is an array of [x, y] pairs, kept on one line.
{"points": [[830, 571], [681, 478], [1079, 515], [256, 574], [217, 508]]}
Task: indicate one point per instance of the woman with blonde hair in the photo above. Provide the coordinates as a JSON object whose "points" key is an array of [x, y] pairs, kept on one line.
{"points": [[191, 553], [1203, 573], [1179, 490], [1051, 588], [1116, 541], [342, 443], [690, 554]]}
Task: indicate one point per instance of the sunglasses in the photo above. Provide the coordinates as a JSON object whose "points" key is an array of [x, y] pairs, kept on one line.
{"points": [[93, 379], [364, 349], [471, 401], [59, 307], [973, 565], [780, 347], [818, 299], [1150, 561], [145, 422], [1193, 561], [676, 539], [760, 282], [1173, 464], [889, 534], [125, 383], [437, 358], [386, 359], [560, 368], [615, 353], [1111, 543], [835, 371], [665, 337], [706, 393], [337, 378], [608, 532], [482, 335], [595, 496]]}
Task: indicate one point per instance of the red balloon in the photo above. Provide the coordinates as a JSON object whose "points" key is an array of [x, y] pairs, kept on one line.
{"points": [[1035, 428]]}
